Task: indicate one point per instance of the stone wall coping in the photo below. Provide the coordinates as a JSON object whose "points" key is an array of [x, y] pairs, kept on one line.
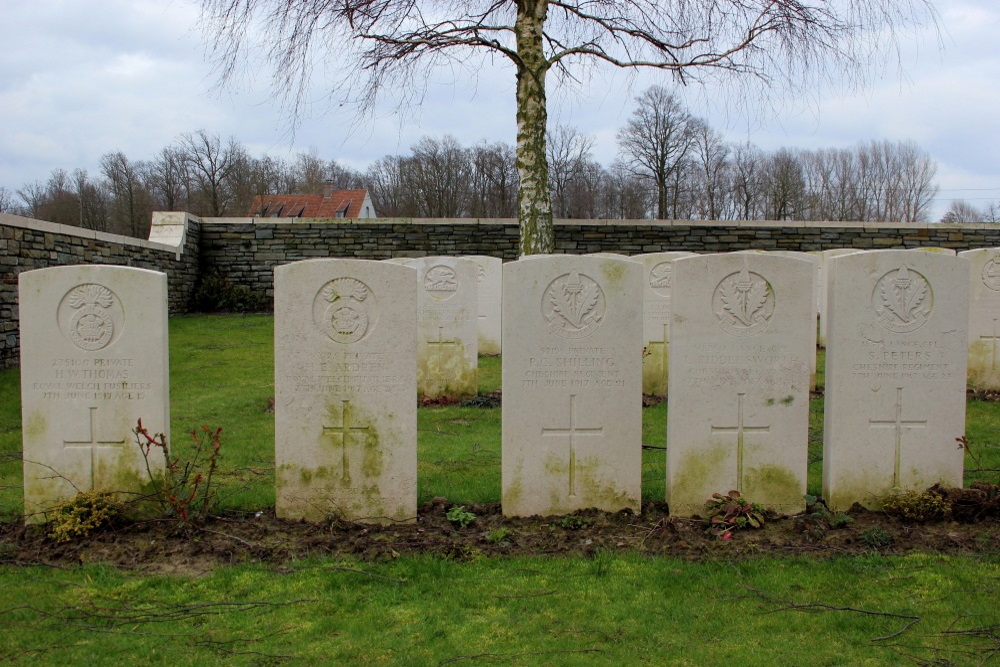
{"points": [[54, 228], [792, 224]]}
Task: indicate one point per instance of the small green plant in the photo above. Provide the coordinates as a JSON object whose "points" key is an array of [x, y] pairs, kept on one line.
{"points": [[184, 490], [875, 537], [459, 516], [916, 506], [817, 510], [82, 514], [574, 522], [499, 536], [730, 512]]}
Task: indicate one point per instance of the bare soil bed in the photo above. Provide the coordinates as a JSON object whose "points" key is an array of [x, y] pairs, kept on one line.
{"points": [[161, 546]]}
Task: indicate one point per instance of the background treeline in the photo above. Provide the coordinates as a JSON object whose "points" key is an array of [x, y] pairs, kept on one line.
{"points": [[670, 165]]}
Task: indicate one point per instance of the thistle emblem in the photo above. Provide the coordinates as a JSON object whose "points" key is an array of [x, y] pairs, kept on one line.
{"points": [[903, 300], [92, 326], [345, 310], [744, 302], [573, 305]]}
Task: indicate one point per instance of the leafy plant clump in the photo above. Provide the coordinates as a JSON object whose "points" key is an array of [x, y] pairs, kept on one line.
{"points": [[730, 512], [875, 537], [916, 506], [216, 294], [459, 516], [818, 518], [184, 490], [83, 514]]}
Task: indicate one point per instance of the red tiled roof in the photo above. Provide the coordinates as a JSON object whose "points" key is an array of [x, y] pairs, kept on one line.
{"points": [[340, 203]]}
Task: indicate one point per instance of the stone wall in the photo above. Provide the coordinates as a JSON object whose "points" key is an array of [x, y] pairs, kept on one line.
{"points": [[27, 244], [246, 250]]}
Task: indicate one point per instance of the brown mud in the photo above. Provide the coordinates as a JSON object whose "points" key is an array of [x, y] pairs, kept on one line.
{"points": [[259, 537]]}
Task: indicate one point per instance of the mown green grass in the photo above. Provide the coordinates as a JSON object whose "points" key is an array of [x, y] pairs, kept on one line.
{"points": [[609, 609]]}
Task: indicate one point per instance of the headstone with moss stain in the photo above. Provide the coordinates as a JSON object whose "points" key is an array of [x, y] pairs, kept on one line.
{"points": [[572, 416], [984, 318], [657, 285], [895, 374], [739, 380], [447, 327], [345, 384], [488, 291], [93, 362]]}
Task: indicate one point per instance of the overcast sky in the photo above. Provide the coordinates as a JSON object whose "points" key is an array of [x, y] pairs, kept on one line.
{"points": [[79, 79]]}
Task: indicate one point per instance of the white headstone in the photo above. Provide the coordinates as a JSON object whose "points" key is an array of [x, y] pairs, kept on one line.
{"points": [[739, 380], [345, 353], [895, 374], [93, 363], [827, 255], [656, 287], [489, 287], [572, 415], [984, 317], [447, 327], [817, 264]]}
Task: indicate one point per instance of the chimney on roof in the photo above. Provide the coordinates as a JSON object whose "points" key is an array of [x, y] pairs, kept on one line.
{"points": [[327, 189]]}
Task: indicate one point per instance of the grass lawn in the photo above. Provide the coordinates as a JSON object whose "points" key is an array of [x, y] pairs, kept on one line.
{"points": [[611, 607]]}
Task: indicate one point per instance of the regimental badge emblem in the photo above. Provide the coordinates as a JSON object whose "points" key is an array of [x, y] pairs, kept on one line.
{"points": [[991, 273], [903, 300], [91, 316], [744, 303], [574, 305], [441, 282], [346, 310], [661, 278]]}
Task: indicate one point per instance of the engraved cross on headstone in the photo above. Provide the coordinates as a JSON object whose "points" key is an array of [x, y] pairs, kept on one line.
{"points": [[897, 424], [343, 432], [660, 346], [740, 429], [993, 341], [572, 432], [438, 352], [93, 444]]}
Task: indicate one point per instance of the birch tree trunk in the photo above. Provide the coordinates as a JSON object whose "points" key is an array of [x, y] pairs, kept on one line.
{"points": [[534, 205]]}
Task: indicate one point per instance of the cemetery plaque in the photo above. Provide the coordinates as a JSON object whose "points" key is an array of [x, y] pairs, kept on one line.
{"points": [[345, 390], [739, 380], [572, 422], [93, 362], [447, 327], [895, 374]]}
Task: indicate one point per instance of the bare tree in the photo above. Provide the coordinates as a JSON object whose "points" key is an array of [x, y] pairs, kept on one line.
{"points": [[381, 45], [494, 181], [210, 164], [748, 174], [168, 180], [962, 211], [710, 156], [130, 206], [7, 201], [655, 142], [93, 198], [568, 153]]}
